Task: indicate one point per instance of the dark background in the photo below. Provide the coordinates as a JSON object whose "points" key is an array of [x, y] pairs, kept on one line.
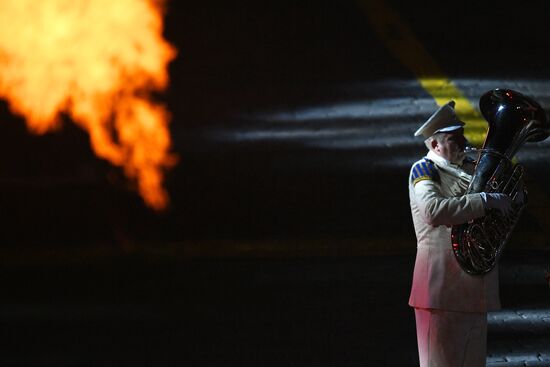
{"points": [[281, 249], [240, 60]]}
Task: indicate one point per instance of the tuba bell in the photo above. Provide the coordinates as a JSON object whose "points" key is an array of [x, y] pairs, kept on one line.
{"points": [[513, 119]]}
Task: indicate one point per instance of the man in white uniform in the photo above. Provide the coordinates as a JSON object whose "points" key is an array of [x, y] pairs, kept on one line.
{"points": [[450, 305]]}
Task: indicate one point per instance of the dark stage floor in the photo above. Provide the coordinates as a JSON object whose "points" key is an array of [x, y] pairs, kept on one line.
{"points": [[149, 309]]}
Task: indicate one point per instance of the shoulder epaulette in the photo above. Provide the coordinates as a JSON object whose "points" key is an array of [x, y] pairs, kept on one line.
{"points": [[423, 170]]}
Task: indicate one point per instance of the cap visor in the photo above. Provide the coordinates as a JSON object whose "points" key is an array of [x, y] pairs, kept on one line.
{"points": [[448, 129]]}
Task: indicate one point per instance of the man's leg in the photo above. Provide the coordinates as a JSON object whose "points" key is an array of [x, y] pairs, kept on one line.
{"points": [[423, 317], [451, 339]]}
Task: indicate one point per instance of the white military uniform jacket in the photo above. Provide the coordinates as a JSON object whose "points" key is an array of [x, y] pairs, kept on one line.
{"points": [[436, 191]]}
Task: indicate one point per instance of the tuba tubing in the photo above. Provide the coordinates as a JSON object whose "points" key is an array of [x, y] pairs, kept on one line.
{"points": [[513, 119]]}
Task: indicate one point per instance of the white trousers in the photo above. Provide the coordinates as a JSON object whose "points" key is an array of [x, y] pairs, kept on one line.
{"points": [[451, 339]]}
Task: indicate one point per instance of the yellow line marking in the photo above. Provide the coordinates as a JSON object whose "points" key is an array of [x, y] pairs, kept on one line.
{"points": [[402, 43]]}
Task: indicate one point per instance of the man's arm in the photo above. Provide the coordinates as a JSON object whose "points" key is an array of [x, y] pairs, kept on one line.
{"points": [[439, 210]]}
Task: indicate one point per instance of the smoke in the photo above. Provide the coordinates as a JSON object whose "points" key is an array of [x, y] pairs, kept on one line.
{"points": [[98, 62]]}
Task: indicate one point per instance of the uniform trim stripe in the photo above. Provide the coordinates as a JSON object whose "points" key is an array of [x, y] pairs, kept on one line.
{"points": [[422, 178]]}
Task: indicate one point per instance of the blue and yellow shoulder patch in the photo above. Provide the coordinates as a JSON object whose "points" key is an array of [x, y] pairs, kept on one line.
{"points": [[423, 170]]}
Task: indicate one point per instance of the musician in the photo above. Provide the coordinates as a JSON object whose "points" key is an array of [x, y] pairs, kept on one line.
{"points": [[450, 305]]}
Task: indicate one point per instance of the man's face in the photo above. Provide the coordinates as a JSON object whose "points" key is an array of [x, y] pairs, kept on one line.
{"points": [[451, 146]]}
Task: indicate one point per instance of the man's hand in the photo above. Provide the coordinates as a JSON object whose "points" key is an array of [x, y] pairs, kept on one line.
{"points": [[499, 201]]}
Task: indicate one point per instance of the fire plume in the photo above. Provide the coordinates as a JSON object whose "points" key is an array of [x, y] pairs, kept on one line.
{"points": [[99, 63]]}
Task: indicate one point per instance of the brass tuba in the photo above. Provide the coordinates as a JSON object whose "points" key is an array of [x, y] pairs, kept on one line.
{"points": [[513, 120]]}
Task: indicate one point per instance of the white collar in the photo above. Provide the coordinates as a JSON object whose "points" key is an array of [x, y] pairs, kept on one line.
{"points": [[437, 158], [446, 165], [442, 161]]}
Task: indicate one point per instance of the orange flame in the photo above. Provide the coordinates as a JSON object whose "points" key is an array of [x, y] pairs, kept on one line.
{"points": [[97, 61]]}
